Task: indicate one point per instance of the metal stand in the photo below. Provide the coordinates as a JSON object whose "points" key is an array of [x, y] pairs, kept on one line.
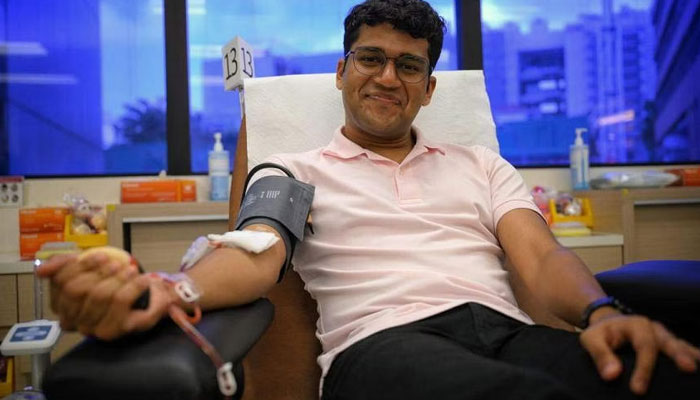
{"points": [[38, 337], [40, 361]]}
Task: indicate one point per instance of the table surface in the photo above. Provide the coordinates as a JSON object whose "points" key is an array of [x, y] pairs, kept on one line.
{"points": [[11, 264]]}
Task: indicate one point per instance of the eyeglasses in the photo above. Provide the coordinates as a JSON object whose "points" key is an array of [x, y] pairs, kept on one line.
{"points": [[371, 61]]}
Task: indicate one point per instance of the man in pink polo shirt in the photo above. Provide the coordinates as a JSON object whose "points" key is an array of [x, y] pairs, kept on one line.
{"points": [[407, 257]]}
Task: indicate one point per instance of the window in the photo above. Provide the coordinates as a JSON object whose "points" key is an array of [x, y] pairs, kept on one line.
{"points": [[288, 37], [82, 83], [82, 87], [553, 66]]}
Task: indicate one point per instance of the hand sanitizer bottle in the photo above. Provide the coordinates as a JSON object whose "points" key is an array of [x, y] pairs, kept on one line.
{"points": [[219, 171], [578, 159]]}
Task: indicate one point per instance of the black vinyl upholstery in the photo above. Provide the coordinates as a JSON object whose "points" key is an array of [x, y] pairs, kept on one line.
{"points": [[162, 363], [664, 290]]}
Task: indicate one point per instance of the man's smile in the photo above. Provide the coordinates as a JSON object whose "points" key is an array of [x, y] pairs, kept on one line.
{"points": [[384, 98]]}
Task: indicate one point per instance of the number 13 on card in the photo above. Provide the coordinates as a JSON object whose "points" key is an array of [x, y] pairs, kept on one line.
{"points": [[237, 63]]}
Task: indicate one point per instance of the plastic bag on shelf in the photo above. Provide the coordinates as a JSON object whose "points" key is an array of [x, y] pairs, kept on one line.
{"points": [[645, 179]]}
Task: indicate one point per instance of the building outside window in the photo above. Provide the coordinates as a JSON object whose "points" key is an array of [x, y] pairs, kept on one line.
{"points": [[82, 87], [553, 66], [82, 83]]}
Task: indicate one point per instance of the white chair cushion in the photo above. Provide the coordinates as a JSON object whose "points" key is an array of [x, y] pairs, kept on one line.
{"points": [[297, 113]]}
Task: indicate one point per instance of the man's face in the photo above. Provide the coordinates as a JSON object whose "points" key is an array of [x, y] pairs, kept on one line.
{"points": [[383, 106]]}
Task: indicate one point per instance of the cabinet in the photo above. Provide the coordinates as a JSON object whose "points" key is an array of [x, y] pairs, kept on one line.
{"points": [[159, 234], [600, 251], [8, 300], [655, 223]]}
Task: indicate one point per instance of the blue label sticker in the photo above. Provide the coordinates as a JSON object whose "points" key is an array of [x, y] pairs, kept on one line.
{"points": [[29, 333]]}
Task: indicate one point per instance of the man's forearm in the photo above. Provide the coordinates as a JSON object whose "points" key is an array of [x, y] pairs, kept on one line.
{"points": [[566, 285], [552, 273], [232, 276]]}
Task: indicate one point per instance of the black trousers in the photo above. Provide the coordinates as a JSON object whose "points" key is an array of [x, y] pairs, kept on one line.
{"points": [[473, 352]]}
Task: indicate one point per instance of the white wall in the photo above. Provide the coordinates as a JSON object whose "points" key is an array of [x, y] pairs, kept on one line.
{"points": [[49, 192]]}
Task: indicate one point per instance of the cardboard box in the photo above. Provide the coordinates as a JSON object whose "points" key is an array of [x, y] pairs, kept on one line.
{"points": [[30, 243], [48, 219], [689, 176], [188, 190], [158, 190]]}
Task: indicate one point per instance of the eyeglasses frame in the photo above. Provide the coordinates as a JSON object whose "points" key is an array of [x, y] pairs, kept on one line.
{"points": [[352, 52]]}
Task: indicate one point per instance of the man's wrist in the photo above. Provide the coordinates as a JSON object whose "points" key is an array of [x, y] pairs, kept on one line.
{"points": [[602, 308], [603, 313]]}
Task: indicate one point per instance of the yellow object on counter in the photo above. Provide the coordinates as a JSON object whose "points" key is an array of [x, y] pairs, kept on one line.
{"points": [[83, 241], [7, 380], [586, 217]]}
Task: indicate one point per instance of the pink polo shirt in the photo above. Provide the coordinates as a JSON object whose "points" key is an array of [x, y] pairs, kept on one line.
{"points": [[396, 243]]}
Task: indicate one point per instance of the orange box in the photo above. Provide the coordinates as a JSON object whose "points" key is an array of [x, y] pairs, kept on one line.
{"points": [[689, 176], [158, 190], [48, 219], [30, 243], [188, 190]]}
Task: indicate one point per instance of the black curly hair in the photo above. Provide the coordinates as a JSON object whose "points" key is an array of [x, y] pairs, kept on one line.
{"points": [[415, 17]]}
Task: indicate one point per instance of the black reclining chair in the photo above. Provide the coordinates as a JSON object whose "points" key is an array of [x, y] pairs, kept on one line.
{"points": [[162, 363]]}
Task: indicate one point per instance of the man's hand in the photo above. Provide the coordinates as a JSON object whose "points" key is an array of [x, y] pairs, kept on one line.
{"points": [[94, 295], [610, 330]]}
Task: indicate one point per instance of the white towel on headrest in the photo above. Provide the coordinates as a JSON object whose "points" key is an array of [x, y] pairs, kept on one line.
{"points": [[297, 113]]}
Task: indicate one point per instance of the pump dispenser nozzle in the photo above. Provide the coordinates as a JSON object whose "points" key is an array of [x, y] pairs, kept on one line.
{"points": [[579, 139], [217, 142]]}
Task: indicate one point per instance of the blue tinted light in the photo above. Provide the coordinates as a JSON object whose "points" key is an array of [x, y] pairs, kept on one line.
{"points": [[553, 66], [82, 84]]}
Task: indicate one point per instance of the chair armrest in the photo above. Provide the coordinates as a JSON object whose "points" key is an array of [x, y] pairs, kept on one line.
{"points": [[162, 363], [664, 290]]}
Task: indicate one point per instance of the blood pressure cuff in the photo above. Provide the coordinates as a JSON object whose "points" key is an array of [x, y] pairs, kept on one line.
{"points": [[281, 202]]}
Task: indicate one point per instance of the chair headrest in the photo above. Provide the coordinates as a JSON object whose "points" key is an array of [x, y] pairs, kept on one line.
{"points": [[297, 113]]}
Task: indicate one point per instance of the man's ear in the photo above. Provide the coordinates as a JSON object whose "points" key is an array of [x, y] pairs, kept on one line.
{"points": [[432, 82], [339, 70]]}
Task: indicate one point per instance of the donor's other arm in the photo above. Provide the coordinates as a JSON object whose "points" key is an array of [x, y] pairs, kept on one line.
{"points": [[565, 285]]}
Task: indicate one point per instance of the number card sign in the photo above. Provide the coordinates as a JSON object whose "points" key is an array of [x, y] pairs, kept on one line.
{"points": [[237, 63]]}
